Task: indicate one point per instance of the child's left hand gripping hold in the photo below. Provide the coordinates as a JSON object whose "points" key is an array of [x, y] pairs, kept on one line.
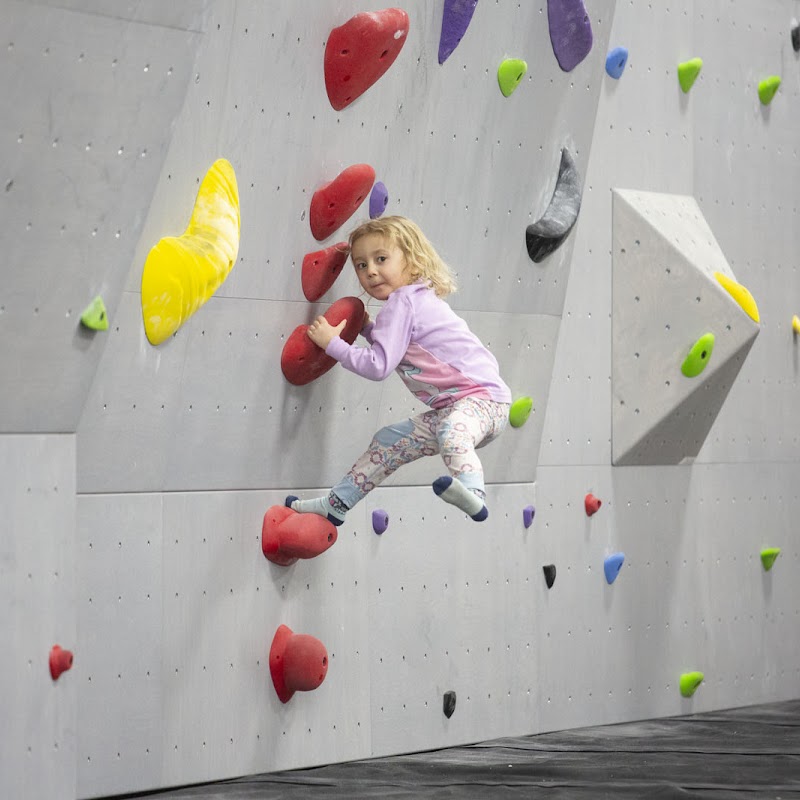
{"points": [[320, 331]]}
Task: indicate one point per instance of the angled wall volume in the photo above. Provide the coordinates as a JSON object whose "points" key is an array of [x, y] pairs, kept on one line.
{"points": [[665, 299]]}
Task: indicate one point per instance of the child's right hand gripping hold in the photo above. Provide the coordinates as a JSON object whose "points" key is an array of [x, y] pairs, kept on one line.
{"points": [[320, 331]]}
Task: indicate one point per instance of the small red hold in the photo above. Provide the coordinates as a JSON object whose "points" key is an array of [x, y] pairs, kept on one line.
{"points": [[592, 504], [302, 361], [60, 661], [322, 268], [287, 535], [297, 662], [335, 202], [360, 51]]}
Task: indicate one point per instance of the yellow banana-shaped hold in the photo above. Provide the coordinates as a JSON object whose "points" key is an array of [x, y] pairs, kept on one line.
{"points": [[740, 295], [182, 272]]}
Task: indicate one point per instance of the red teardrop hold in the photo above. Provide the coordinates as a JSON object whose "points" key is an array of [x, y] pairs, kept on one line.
{"points": [[360, 51], [60, 661], [592, 504], [335, 202], [302, 361], [287, 535], [297, 662], [322, 268]]}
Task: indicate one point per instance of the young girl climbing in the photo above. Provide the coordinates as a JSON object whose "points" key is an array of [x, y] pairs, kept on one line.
{"points": [[439, 359]]}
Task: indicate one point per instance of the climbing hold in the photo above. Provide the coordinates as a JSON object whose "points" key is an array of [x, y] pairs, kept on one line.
{"points": [[570, 32], [321, 269], [302, 361], [549, 232], [689, 682], [94, 315], [796, 324], [740, 295], [549, 575], [528, 513], [767, 89], [60, 661], [335, 202], [612, 565], [380, 520], [455, 20], [616, 61], [796, 35], [449, 703], [287, 536], [768, 556], [591, 504], [181, 273], [297, 662], [509, 74], [698, 356], [360, 51], [520, 411], [688, 72], [378, 200]]}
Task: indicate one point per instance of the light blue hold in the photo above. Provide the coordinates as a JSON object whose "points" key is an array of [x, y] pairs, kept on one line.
{"points": [[612, 566], [616, 61]]}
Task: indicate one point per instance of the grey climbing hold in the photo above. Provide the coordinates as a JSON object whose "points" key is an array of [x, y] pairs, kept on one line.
{"points": [[449, 704], [549, 574], [549, 232], [796, 35]]}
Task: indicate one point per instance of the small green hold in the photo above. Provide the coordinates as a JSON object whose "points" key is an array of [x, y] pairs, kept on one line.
{"points": [[767, 89], [94, 315], [520, 411], [510, 73], [768, 556], [698, 356], [688, 72], [689, 682]]}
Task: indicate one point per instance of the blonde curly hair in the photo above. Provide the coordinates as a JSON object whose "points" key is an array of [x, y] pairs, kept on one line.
{"points": [[423, 261]]}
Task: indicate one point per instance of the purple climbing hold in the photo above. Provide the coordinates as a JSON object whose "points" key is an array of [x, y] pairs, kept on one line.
{"points": [[570, 32], [378, 200], [527, 515], [380, 520], [455, 21]]}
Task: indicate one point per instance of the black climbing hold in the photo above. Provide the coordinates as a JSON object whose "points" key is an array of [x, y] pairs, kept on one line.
{"points": [[548, 233], [796, 35], [549, 574], [449, 705]]}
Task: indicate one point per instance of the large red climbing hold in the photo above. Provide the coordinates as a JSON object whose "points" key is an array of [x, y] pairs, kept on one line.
{"points": [[297, 662], [591, 504], [60, 661], [321, 269], [302, 361], [335, 202], [360, 51], [287, 535]]}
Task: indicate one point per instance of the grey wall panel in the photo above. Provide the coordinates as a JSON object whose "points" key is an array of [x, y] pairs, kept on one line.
{"points": [[188, 15], [37, 611]]}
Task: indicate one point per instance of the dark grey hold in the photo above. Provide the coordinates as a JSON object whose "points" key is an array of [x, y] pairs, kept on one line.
{"points": [[549, 575], [796, 35], [449, 705]]}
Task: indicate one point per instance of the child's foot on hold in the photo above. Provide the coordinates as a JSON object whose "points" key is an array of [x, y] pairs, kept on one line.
{"points": [[328, 506], [452, 491]]}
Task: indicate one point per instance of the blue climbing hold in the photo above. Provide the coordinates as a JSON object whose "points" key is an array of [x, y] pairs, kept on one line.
{"points": [[456, 17], [528, 514], [616, 61], [380, 521], [612, 566], [378, 200]]}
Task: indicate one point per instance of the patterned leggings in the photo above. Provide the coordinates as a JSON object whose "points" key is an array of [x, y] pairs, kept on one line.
{"points": [[455, 432]]}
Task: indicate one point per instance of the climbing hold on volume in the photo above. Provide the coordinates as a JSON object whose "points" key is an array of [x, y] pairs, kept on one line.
{"points": [[549, 575], [60, 661], [591, 504], [689, 682], [767, 89], [612, 565], [740, 294], [380, 521], [94, 315], [287, 535], [509, 74], [378, 199], [520, 411], [528, 513], [570, 32], [359, 52], [321, 269], [699, 356], [616, 61], [335, 202], [297, 662], [768, 556], [688, 72], [456, 17]]}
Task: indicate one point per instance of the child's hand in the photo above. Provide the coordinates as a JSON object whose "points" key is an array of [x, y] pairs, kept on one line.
{"points": [[366, 321], [320, 331]]}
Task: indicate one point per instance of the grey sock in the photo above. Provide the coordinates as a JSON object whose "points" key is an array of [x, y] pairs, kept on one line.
{"points": [[329, 506]]}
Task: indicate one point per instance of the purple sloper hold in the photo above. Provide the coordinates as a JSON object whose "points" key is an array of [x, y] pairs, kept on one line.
{"points": [[570, 32], [378, 200], [527, 515], [380, 521], [455, 21]]}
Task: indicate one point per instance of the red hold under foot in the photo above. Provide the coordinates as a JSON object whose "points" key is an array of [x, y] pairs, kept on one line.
{"points": [[302, 361], [60, 661], [335, 202], [592, 504], [297, 662], [287, 535], [322, 268], [360, 51]]}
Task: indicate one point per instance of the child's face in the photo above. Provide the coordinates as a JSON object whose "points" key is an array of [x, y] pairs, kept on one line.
{"points": [[381, 266]]}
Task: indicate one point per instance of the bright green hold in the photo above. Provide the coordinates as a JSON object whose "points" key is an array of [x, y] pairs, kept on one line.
{"points": [[689, 682], [94, 315], [520, 411], [688, 72], [509, 74], [768, 556], [767, 89], [698, 356]]}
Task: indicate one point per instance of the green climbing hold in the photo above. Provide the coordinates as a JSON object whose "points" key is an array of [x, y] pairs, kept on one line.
{"points": [[689, 682], [510, 73], [768, 556], [520, 411], [698, 356], [767, 89], [94, 315], [688, 72]]}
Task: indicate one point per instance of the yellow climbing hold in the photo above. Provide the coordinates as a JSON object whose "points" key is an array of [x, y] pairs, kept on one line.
{"points": [[796, 324], [740, 295], [768, 556], [520, 411], [767, 89], [688, 72], [689, 682], [181, 273], [510, 73]]}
